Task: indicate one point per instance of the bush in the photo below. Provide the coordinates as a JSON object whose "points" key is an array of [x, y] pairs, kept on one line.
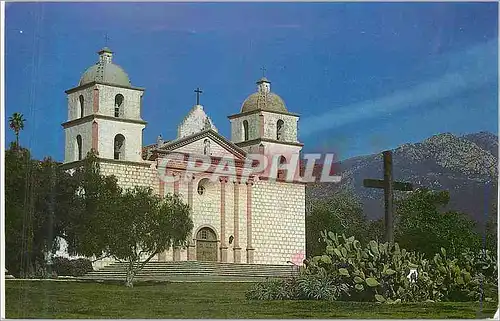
{"points": [[305, 287], [65, 267], [383, 272]]}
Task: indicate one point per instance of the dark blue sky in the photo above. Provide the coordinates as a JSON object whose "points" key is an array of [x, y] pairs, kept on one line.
{"points": [[363, 76]]}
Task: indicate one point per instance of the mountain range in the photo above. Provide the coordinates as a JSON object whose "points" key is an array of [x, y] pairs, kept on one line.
{"points": [[466, 166]]}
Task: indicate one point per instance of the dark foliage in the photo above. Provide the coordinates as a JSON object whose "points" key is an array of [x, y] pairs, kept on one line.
{"points": [[62, 266]]}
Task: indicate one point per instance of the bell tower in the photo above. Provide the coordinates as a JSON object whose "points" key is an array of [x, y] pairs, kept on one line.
{"points": [[104, 114], [264, 124]]}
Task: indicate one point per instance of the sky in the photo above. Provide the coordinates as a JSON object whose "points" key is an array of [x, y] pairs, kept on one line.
{"points": [[364, 77]]}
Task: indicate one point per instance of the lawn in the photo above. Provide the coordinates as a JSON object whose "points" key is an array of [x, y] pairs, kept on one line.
{"points": [[46, 299]]}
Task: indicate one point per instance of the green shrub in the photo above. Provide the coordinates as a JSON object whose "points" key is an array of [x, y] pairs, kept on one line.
{"points": [[65, 267], [274, 289]]}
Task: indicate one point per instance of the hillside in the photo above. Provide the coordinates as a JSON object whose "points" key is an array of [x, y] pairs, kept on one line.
{"points": [[465, 166]]}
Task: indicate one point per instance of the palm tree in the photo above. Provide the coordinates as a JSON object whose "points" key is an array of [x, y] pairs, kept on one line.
{"points": [[16, 122]]}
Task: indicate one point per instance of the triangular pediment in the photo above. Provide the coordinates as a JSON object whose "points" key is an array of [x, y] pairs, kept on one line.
{"points": [[205, 142]]}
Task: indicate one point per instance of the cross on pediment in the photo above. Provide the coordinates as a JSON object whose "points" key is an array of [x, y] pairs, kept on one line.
{"points": [[198, 91], [389, 186]]}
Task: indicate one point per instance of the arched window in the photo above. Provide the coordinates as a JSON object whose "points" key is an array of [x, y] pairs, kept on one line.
{"points": [[282, 160], [79, 147], [81, 103], [119, 105], [279, 129], [245, 129], [202, 185], [119, 147], [206, 233]]}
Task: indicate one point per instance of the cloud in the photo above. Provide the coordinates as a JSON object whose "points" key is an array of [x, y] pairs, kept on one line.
{"points": [[467, 70]]}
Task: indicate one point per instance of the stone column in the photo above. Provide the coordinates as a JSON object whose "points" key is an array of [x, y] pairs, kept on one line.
{"points": [[161, 188], [223, 245], [191, 250], [236, 246], [176, 183], [250, 249]]}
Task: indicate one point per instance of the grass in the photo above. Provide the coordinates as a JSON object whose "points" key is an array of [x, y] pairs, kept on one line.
{"points": [[46, 299]]}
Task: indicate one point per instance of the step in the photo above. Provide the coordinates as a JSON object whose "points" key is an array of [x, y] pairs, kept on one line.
{"points": [[195, 270]]}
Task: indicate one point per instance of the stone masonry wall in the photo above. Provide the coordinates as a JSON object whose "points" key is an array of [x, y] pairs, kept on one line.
{"points": [[278, 221], [130, 175]]}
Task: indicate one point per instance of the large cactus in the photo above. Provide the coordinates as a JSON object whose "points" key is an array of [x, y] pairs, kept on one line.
{"points": [[381, 270]]}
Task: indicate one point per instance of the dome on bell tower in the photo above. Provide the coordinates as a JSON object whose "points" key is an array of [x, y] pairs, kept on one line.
{"points": [[105, 71], [264, 99]]}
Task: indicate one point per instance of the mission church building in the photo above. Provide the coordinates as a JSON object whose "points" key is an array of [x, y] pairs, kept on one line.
{"points": [[259, 220]]}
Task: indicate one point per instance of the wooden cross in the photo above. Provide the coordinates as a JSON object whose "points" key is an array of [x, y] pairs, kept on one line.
{"points": [[389, 186], [198, 91]]}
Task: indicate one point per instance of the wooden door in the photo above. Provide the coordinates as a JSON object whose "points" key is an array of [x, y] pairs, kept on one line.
{"points": [[206, 245]]}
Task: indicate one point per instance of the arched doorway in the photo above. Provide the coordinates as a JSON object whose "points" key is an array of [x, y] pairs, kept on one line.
{"points": [[206, 245]]}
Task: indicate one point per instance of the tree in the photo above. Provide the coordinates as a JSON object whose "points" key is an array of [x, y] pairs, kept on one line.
{"points": [[94, 200], [146, 225], [423, 225], [16, 123], [131, 226], [492, 230], [35, 200], [340, 213]]}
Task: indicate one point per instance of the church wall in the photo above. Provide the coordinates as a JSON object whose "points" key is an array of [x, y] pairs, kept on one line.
{"points": [[237, 134], [131, 102], [71, 150], [290, 129], [133, 139], [74, 103], [130, 175], [278, 221]]}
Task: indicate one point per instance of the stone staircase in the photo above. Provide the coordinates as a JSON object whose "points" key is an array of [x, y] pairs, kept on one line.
{"points": [[194, 271]]}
